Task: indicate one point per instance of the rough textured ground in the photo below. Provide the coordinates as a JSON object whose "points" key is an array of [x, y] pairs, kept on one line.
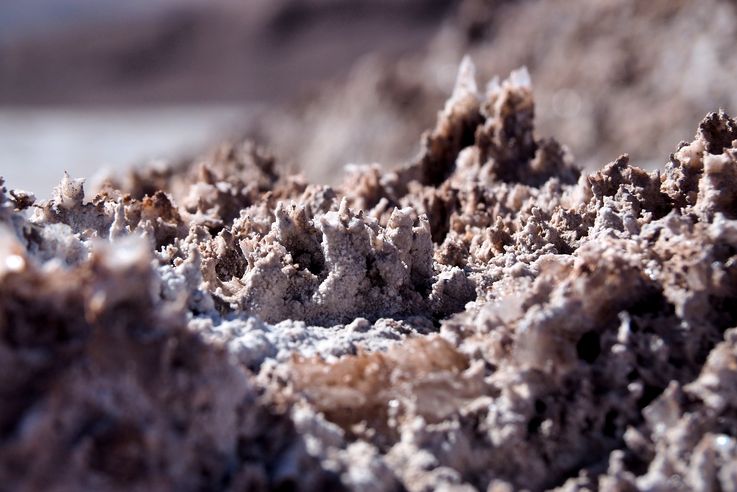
{"points": [[484, 317]]}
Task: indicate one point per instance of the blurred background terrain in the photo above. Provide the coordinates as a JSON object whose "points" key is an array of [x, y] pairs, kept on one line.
{"points": [[93, 84]]}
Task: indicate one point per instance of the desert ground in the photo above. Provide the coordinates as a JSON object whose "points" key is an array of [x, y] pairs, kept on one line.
{"points": [[479, 245]]}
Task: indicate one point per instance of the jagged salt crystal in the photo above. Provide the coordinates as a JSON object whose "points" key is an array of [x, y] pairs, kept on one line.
{"points": [[722, 441], [14, 263], [70, 192], [465, 84], [357, 168], [12, 259], [493, 86], [520, 77], [331, 219], [125, 253]]}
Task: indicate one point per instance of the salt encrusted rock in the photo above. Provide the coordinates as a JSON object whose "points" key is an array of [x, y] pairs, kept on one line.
{"points": [[328, 268], [484, 317], [105, 387]]}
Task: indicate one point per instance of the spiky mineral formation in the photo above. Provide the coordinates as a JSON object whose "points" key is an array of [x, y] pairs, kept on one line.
{"points": [[485, 317]]}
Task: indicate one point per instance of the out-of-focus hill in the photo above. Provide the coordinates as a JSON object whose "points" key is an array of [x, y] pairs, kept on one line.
{"points": [[166, 51]]}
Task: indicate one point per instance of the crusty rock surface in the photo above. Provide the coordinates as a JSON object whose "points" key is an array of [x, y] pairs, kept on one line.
{"points": [[484, 317]]}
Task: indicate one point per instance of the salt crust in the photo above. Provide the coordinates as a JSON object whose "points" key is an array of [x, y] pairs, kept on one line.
{"points": [[484, 317]]}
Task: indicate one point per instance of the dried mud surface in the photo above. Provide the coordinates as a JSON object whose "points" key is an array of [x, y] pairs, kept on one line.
{"points": [[485, 317]]}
